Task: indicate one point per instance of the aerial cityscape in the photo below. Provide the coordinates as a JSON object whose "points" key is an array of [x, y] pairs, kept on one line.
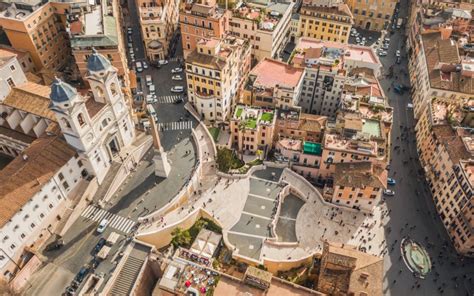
{"points": [[237, 147]]}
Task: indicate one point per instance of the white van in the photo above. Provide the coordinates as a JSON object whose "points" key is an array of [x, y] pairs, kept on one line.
{"points": [[151, 110], [152, 89], [148, 80]]}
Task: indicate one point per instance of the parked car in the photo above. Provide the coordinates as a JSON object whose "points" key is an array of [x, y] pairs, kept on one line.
{"points": [[99, 245], [151, 100], [162, 62], [145, 65], [57, 244], [358, 40], [177, 70], [389, 192], [130, 45], [385, 46], [397, 53], [177, 77], [70, 291], [148, 80], [399, 60], [139, 67], [391, 181], [81, 275], [129, 30], [177, 89], [382, 53], [102, 225]]}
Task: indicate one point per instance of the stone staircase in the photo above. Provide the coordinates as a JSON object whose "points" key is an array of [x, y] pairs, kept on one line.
{"points": [[127, 277], [130, 271]]}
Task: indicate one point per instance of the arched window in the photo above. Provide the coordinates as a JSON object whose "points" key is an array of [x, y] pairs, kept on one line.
{"points": [[99, 91], [80, 119], [113, 89], [66, 123]]}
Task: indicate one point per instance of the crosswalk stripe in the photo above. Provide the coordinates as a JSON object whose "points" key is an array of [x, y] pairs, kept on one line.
{"points": [[175, 125], [118, 222], [167, 99]]}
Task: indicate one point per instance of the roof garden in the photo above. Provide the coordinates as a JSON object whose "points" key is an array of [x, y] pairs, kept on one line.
{"points": [[267, 117]]}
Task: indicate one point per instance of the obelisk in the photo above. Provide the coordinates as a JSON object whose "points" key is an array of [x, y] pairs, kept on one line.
{"points": [[162, 167]]}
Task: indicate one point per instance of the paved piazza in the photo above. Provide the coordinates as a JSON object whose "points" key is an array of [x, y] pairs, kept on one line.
{"points": [[246, 208]]}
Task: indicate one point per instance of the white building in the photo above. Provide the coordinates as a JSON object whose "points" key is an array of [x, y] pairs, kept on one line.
{"points": [[11, 73], [265, 26], [327, 67], [98, 127], [38, 184]]}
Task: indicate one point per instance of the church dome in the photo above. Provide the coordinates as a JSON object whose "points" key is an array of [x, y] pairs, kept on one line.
{"points": [[97, 62], [61, 91]]}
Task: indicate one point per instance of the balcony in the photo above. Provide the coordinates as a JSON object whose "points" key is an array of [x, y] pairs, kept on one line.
{"points": [[204, 95]]}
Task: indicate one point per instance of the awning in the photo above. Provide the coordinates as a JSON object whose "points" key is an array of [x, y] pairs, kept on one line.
{"points": [[312, 148]]}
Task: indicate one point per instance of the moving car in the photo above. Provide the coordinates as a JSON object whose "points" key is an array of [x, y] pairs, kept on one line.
{"points": [[178, 101], [177, 77], [177, 89], [102, 225], [389, 192], [391, 181], [397, 53], [177, 70], [145, 65], [162, 62]]}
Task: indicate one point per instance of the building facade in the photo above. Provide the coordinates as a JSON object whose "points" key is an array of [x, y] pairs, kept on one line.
{"points": [[328, 66], [327, 23], [215, 71], [446, 149], [252, 129], [39, 28], [158, 23], [11, 73], [101, 126], [201, 19], [266, 26], [374, 15]]}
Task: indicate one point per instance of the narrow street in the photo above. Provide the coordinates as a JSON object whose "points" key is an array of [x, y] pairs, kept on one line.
{"points": [[412, 205]]}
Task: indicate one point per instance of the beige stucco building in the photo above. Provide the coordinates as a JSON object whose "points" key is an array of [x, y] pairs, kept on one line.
{"points": [[252, 129], [446, 152], [215, 71], [158, 23], [40, 29], [372, 14]]}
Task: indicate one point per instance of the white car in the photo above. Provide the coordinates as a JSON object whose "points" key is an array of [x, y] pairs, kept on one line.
{"points": [[176, 77], [129, 30], [151, 100], [130, 45], [385, 46], [149, 80], [382, 53], [389, 192], [102, 225], [177, 70], [397, 53], [145, 65], [139, 67], [177, 89], [358, 40], [162, 62]]}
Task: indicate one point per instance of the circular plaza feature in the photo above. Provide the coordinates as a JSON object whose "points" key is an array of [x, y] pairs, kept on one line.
{"points": [[416, 257]]}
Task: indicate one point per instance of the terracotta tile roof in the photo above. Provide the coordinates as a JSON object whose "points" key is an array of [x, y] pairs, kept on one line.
{"points": [[204, 59], [312, 123], [31, 77], [270, 73], [22, 179], [452, 140], [360, 174], [16, 135], [93, 107], [32, 98], [442, 59]]}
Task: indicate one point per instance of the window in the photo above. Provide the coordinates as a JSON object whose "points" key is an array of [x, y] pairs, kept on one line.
{"points": [[10, 82], [50, 206], [61, 176], [12, 67], [32, 225], [66, 185], [12, 246], [80, 119]]}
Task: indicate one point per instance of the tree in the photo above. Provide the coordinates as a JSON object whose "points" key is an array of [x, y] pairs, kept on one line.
{"points": [[180, 237]]}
